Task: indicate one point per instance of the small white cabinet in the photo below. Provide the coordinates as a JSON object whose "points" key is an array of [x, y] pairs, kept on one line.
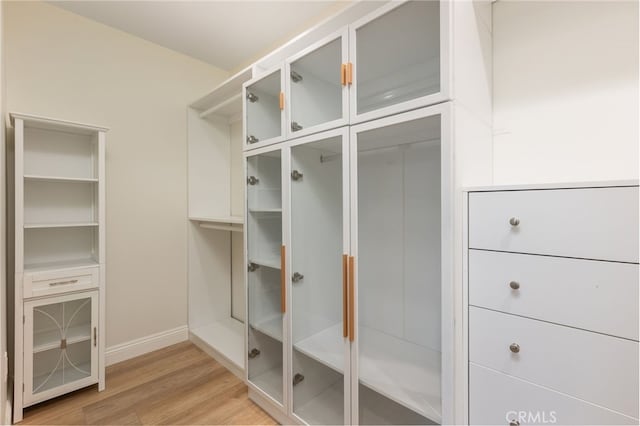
{"points": [[56, 258], [264, 103]]}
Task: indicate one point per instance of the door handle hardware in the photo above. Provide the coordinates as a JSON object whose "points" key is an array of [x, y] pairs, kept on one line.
{"points": [[295, 77], [352, 293], [345, 295], [252, 97], [343, 74], [283, 285], [297, 277], [254, 353], [514, 221], [296, 175], [281, 100], [95, 336], [63, 283], [514, 347], [514, 285]]}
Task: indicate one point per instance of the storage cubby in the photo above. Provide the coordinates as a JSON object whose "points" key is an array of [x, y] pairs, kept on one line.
{"points": [[394, 66], [58, 248], [316, 86], [264, 102], [265, 364], [58, 153], [399, 267], [59, 203]]}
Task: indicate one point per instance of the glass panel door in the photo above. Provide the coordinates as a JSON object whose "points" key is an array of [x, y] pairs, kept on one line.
{"points": [[317, 247], [398, 56], [398, 265], [62, 342], [317, 88], [264, 241], [264, 103]]}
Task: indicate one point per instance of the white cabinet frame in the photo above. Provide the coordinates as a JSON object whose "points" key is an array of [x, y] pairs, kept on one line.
{"points": [[283, 117]]}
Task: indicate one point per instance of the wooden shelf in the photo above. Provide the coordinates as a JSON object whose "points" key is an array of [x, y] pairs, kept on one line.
{"points": [[404, 372], [226, 337], [60, 265], [59, 179], [60, 225], [271, 327]]}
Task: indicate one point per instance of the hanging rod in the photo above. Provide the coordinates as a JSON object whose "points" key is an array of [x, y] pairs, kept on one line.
{"points": [[221, 105], [231, 228]]}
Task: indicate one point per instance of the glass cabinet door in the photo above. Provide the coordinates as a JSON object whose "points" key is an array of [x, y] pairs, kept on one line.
{"points": [[318, 94], [264, 279], [397, 59], [61, 338], [318, 220], [398, 269], [264, 105]]}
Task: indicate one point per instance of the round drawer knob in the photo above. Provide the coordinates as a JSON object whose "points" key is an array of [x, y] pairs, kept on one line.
{"points": [[514, 347], [514, 285], [514, 423], [514, 221]]}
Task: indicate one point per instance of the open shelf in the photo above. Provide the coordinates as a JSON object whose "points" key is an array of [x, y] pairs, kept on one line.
{"points": [[59, 225], [50, 339], [226, 337], [58, 178], [273, 263], [258, 211], [221, 220], [271, 327], [270, 382], [406, 373], [59, 265]]}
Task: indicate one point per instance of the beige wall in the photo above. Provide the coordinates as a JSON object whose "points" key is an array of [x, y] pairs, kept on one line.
{"points": [[64, 66], [565, 91], [3, 234]]}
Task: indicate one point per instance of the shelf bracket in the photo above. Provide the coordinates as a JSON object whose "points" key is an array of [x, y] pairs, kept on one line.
{"points": [[252, 266], [295, 126], [252, 139], [296, 175]]}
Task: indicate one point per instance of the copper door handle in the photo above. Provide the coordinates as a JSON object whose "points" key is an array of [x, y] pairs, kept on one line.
{"points": [[352, 333]]}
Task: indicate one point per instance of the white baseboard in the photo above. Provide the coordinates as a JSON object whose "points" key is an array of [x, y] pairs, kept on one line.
{"points": [[143, 345]]}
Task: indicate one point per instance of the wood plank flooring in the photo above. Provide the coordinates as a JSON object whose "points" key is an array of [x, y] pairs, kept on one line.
{"points": [[176, 385]]}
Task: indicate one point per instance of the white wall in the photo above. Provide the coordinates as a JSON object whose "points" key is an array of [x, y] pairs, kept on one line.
{"points": [[565, 91], [65, 66], [3, 234]]}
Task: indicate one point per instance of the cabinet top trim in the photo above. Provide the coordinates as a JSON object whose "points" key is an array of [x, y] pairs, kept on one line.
{"points": [[48, 123], [556, 185]]}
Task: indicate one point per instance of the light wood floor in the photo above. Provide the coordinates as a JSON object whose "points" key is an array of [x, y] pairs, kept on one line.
{"points": [[175, 385]]}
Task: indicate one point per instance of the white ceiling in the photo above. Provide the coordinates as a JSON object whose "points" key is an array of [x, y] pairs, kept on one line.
{"points": [[223, 33]]}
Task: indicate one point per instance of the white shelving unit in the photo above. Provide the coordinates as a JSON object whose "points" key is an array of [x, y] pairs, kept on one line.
{"points": [[57, 230], [216, 223]]}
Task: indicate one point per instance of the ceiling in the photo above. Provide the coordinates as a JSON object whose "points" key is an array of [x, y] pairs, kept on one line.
{"points": [[226, 34]]}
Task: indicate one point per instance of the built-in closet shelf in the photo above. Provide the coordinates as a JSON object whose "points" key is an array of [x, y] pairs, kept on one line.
{"points": [[44, 341], [260, 211], [268, 263], [60, 225], [58, 179], [221, 219], [231, 223], [65, 375], [226, 336], [325, 408], [270, 382], [60, 265], [228, 109], [406, 373], [271, 327]]}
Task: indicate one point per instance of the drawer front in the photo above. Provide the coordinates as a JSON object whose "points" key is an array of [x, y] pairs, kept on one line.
{"points": [[57, 282], [590, 223], [587, 294], [497, 399], [594, 367]]}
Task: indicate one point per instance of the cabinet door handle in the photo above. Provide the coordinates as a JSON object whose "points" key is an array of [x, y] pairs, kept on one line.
{"points": [[345, 295], [343, 74], [63, 283], [283, 284], [95, 336], [515, 285], [349, 73], [352, 330], [514, 221], [281, 100]]}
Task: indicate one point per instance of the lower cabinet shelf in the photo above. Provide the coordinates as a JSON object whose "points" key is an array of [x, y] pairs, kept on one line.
{"points": [[226, 337], [270, 382], [60, 377]]}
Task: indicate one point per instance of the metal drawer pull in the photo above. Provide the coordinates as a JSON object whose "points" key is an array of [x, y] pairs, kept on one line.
{"points": [[514, 423], [514, 285], [63, 283], [514, 347], [514, 221]]}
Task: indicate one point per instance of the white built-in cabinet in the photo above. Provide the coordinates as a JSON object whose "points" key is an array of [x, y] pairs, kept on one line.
{"points": [[57, 262], [352, 232]]}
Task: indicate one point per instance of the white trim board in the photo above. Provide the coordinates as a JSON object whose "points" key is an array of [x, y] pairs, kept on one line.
{"points": [[146, 344]]}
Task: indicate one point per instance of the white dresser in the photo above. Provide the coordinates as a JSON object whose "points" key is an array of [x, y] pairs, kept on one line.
{"points": [[553, 304]]}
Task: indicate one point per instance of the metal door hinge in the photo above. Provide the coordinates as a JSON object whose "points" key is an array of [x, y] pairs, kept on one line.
{"points": [[252, 180], [252, 139], [252, 266], [252, 97], [295, 126], [295, 77], [297, 379], [296, 277], [296, 175], [254, 353]]}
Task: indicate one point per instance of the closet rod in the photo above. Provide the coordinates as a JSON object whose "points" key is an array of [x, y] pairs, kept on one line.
{"points": [[221, 105], [221, 227]]}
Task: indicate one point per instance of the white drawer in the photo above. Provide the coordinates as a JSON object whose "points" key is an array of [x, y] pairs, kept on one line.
{"points": [[497, 399], [588, 294], [61, 281], [600, 369], [589, 223]]}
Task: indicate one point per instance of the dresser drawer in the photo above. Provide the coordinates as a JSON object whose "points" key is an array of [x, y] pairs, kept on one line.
{"points": [[590, 223], [62, 281], [497, 399], [600, 369], [587, 294]]}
